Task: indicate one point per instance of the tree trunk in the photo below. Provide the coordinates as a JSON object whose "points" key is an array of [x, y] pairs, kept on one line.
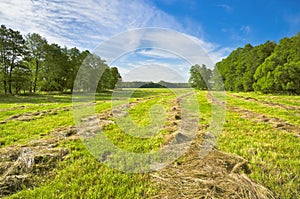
{"points": [[36, 75], [5, 86], [30, 87], [4, 73], [10, 80]]}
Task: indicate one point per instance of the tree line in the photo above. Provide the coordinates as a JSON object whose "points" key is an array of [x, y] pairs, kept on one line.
{"points": [[30, 64], [266, 68]]}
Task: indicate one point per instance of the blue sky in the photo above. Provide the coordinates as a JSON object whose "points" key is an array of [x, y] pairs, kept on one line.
{"points": [[217, 26], [236, 22]]}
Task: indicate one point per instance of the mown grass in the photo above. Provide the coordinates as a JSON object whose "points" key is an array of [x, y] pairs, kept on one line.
{"points": [[20, 132], [81, 175], [281, 99], [273, 154], [291, 116]]}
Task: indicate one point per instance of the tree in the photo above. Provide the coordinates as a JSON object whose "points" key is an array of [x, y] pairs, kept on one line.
{"points": [[33, 64], [279, 73], [22, 77], [237, 70], [200, 77], [93, 68], [54, 71], [12, 52], [105, 80], [115, 77], [287, 78], [4, 43], [75, 59], [36, 44]]}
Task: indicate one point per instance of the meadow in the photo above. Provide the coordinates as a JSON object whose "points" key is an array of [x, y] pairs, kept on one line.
{"points": [[264, 130]]}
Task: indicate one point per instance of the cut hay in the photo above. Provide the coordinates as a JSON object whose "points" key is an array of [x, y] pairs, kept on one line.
{"points": [[218, 175]]}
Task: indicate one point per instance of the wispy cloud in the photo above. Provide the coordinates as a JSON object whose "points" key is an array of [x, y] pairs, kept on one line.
{"points": [[237, 34], [159, 47], [156, 53], [86, 24], [226, 7], [155, 73], [81, 23], [246, 29], [135, 69]]}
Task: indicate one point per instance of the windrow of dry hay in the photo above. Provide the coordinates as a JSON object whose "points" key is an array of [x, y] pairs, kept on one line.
{"points": [[217, 175]]}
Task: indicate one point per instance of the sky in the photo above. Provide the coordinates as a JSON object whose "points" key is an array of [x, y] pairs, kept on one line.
{"points": [[218, 27]]}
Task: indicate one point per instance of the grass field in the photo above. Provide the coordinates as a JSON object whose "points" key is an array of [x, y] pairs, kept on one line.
{"points": [[262, 129]]}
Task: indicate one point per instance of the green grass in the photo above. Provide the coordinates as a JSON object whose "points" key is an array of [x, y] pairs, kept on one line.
{"points": [[281, 99], [81, 175], [273, 154], [291, 116]]}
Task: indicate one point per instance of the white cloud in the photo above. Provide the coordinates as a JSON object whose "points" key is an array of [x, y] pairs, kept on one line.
{"points": [[86, 24], [154, 72], [184, 46], [163, 47], [226, 7], [246, 29], [81, 23], [156, 53]]}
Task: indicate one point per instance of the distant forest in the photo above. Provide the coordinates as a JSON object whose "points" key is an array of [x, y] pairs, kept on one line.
{"points": [[31, 64], [161, 84]]}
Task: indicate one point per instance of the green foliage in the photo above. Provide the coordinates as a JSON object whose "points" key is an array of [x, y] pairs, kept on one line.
{"points": [[96, 75], [31, 64], [12, 51], [36, 47], [279, 73], [200, 77], [267, 68], [237, 70]]}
